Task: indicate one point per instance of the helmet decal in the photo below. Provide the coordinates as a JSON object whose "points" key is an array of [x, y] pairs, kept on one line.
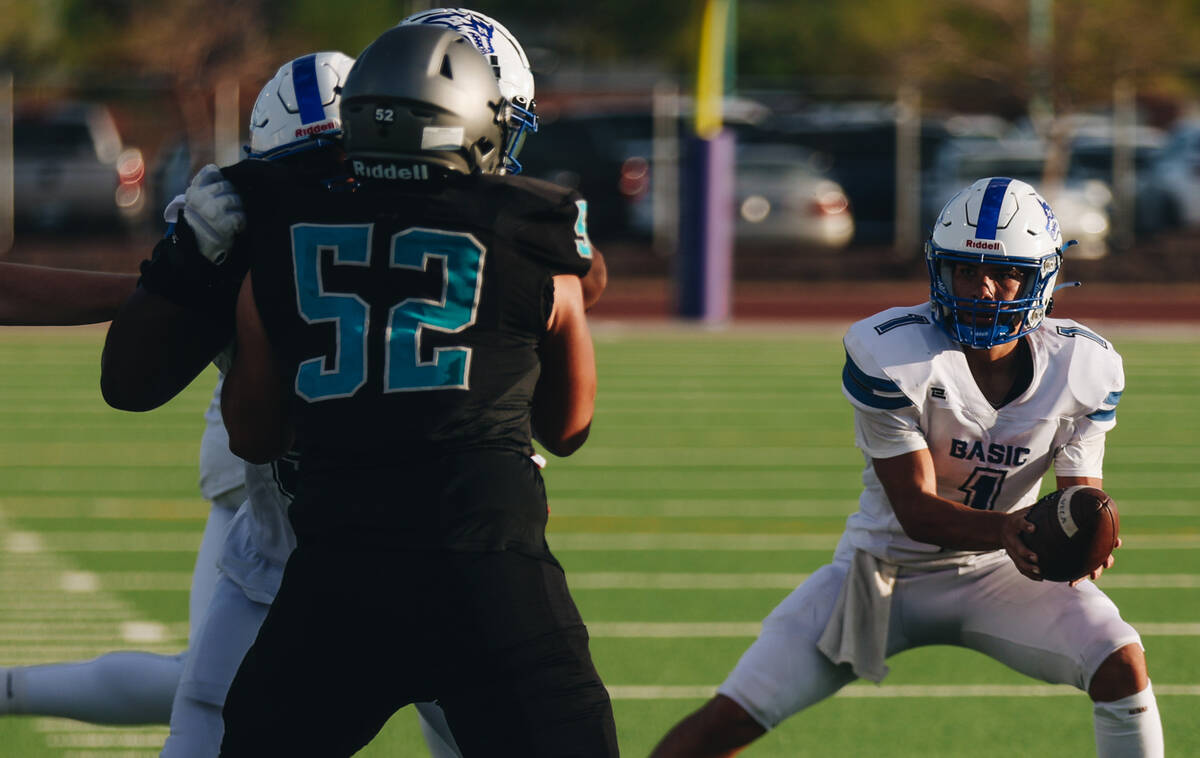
{"points": [[479, 30], [308, 91], [989, 209], [1051, 220]]}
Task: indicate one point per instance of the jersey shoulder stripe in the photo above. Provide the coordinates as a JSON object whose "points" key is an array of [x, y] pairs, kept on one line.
{"points": [[1095, 373], [871, 391], [887, 358]]}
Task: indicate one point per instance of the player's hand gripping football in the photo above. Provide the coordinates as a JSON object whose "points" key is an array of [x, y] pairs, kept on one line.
{"points": [[1108, 563], [213, 209], [1010, 537]]}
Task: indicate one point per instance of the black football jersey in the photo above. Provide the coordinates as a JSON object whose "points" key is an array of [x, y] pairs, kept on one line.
{"points": [[406, 317]]}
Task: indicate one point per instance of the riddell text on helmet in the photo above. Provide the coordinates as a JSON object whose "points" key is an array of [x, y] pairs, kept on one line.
{"points": [[982, 245], [308, 131]]}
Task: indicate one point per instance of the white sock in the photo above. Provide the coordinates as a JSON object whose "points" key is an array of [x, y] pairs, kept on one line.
{"points": [[1129, 727], [118, 688]]}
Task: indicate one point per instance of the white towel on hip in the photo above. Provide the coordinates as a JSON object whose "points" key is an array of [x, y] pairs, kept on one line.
{"points": [[858, 629]]}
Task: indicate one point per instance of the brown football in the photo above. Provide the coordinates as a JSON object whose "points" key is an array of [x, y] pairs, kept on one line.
{"points": [[1077, 529]]}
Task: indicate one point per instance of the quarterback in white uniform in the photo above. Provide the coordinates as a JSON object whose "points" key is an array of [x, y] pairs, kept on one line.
{"points": [[961, 405]]}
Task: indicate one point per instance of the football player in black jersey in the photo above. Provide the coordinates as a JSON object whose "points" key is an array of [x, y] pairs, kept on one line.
{"points": [[408, 334]]}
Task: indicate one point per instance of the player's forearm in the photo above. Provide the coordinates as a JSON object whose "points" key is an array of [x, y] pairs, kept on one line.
{"points": [[947, 524], [595, 281], [257, 421], [254, 399], [911, 486], [564, 400], [45, 296], [153, 349], [565, 397]]}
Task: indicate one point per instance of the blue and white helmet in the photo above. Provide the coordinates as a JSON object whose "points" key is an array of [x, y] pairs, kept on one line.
{"points": [[509, 64], [298, 109], [995, 221]]}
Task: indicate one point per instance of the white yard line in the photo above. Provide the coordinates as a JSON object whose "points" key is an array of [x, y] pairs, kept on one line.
{"points": [[699, 541], [605, 580], [750, 629], [690, 692], [116, 542], [653, 580]]}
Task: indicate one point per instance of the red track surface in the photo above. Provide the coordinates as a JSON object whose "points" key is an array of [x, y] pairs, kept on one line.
{"points": [[793, 296], [845, 301]]}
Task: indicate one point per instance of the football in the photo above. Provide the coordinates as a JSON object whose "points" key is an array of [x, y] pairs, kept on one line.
{"points": [[1077, 528]]}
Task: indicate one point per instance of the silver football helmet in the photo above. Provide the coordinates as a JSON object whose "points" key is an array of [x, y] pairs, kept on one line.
{"points": [[298, 108], [422, 96], [509, 64], [997, 221]]}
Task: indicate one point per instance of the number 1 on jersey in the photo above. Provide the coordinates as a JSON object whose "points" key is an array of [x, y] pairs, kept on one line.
{"points": [[983, 487]]}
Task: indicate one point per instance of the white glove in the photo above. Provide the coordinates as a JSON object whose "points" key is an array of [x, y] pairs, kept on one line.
{"points": [[173, 209], [213, 208]]}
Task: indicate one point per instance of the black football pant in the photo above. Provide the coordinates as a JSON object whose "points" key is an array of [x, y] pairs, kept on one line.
{"points": [[354, 635]]}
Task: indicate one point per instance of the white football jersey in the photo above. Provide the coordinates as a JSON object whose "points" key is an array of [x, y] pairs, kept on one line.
{"points": [[220, 470], [260, 537], [911, 388]]}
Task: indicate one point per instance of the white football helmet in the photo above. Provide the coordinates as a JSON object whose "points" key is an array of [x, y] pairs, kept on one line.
{"points": [[998, 221], [298, 109], [509, 64]]}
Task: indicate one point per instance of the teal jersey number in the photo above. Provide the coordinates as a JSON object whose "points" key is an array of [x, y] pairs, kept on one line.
{"points": [[462, 258], [351, 246], [583, 243]]}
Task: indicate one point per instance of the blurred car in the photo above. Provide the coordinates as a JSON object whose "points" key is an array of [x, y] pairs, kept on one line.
{"points": [[71, 171], [782, 194], [858, 143], [1091, 157], [1080, 204], [782, 197], [1176, 174]]}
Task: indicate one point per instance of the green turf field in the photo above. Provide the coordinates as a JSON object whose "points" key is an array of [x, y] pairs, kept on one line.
{"points": [[720, 470]]}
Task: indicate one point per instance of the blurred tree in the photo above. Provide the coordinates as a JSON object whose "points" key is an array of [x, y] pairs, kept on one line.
{"points": [[972, 54], [305, 26], [977, 53], [191, 44], [199, 45], [28, 32]]}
